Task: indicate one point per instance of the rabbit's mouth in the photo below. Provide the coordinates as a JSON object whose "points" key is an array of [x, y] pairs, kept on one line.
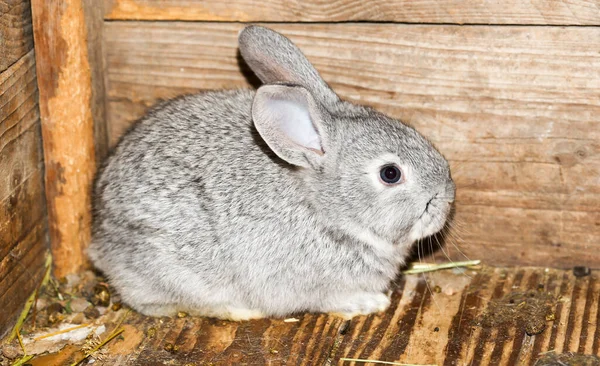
{"points": [[432, 219]]}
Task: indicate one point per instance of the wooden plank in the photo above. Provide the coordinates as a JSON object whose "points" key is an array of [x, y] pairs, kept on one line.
{"points": [[94, 10], [261, 342], [22, 202], [21, 211], [25, 271], [16, 35], [448, 328], [20, 145], [572, 12], [473, 317], [513, 109], [65, 83], [24, 259]]}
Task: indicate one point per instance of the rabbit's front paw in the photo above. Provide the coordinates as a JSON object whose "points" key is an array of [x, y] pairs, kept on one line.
{"points": [[362, 303]]}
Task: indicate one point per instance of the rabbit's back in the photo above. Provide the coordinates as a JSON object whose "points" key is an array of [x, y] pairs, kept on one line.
{"points": [[181, 181], [200, 147]]}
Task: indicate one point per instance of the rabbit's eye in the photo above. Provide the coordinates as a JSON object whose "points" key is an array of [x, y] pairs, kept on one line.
{"points": [[390, 174]]}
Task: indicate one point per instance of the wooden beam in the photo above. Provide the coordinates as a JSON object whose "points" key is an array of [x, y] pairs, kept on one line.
{"points": [[514, 109], [16, 36], [573, 12], [65, 84]]}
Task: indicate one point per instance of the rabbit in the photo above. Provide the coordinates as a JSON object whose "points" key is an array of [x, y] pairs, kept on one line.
{"points": [[243, 204]]}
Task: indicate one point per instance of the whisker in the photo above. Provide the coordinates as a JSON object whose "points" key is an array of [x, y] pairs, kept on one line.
{"points": [[454, 243], [431, 249], [453, 231], [458, 226], [425, 277], [442, 249], [447, 235]]}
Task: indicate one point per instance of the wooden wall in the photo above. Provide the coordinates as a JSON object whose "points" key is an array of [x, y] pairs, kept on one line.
{"points": [[508, 90], [23, 220]]}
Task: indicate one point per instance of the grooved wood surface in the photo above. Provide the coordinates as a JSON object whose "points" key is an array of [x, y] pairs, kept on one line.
{"points": [[440, 319], [65, 83], [22, 201], [16, 35], [557, 12], [93, 12], [513, 108]]}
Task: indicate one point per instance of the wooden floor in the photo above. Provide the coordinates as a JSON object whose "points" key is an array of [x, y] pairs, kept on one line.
{"points": [[477, 317]]}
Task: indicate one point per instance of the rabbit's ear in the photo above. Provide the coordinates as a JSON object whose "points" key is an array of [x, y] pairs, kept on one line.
{"points": [[275, 59], [291, 123]]}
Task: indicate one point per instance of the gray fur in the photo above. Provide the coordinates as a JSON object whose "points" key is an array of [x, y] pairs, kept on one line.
{"points": [[194, 212]]}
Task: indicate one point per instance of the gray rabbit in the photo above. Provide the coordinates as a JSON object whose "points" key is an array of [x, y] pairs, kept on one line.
{"points": [[245, 204]]}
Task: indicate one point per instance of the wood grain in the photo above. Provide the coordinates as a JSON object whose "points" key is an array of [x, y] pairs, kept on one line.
{"points": [[514, 109], [93, 12], [563, 12], [434, 319], [23, 222], [261, 342], [16, 35], [65, 83]]}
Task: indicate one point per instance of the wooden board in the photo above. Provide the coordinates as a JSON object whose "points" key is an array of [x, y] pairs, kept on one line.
{"points": [[22, 203], [444, 318], [16, 35], [65, 83], [93, 12], [572, 12], [513, 108]]}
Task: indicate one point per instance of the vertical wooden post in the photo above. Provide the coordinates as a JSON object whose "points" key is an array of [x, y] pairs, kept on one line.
{"points": [[66, 98]]}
